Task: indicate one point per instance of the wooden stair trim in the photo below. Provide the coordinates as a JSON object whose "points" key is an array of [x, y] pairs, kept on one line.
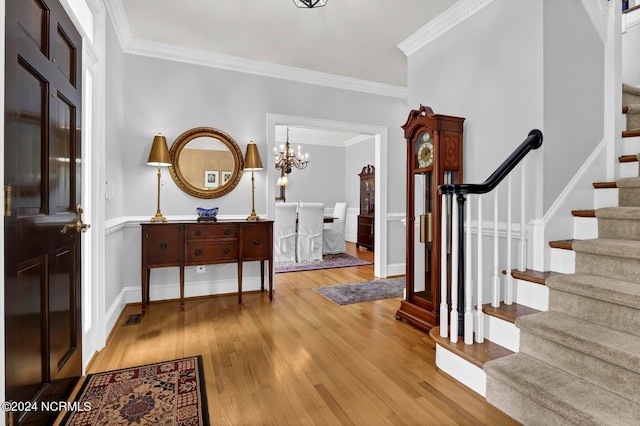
{"points": [[583, 213], [625, 109], [562, 244], [631, 133], [628, 158], [536, 277], [508, 313], [477, 353], [605, 185]]}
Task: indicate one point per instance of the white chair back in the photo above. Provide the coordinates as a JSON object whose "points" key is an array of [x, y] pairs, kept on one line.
{"points": [[310, 220], [333, 239], [284, 232]]}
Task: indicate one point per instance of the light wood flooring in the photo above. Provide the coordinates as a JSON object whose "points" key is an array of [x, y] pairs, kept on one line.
{"points": [[302, 359]]}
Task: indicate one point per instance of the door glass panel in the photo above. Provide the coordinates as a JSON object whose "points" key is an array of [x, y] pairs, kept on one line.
{"points": [[422, 236], [28, 120]]}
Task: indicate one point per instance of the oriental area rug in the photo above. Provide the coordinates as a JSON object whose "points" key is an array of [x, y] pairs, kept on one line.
{"points": [[328, 261], [346, 294], [165, 393]]}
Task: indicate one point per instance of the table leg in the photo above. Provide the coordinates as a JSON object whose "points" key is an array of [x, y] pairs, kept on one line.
{"points": [[182, 288], [271, 279], [262, 275], [239, 282], [146, 273]]}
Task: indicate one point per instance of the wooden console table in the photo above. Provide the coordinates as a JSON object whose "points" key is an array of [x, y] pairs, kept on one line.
{"points": [[191, 243]]}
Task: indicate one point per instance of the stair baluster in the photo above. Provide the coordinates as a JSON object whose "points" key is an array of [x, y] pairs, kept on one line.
{"points": [[454, 197]]}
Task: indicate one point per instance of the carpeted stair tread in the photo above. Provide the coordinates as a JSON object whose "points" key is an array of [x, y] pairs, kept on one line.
{"points": [[630, 182], [596, 287], [629, 249], [633, 108], [630, 89], [625, 213], [592, 339], [563, 394]]}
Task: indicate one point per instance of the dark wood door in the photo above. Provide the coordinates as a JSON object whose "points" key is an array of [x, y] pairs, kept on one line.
{"points": [[43, 352]]}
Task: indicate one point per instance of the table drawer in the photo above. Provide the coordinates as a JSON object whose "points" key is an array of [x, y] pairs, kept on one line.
{"points": [[212, 230], [200, 253]]}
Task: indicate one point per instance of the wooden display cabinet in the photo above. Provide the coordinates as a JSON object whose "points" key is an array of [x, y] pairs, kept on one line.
{"points": [[366, 218], [434, 157]]}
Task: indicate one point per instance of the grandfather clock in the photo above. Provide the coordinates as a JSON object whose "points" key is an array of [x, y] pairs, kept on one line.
{"points": [[434, 157]]}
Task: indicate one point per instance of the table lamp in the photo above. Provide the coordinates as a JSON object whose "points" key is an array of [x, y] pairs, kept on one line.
{"points": [[252, 162], [159, 156]]}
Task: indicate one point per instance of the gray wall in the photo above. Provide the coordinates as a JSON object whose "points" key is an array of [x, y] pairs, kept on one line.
{"points": [[323, 181], [171, 97], [488, 70], [573, 108], [630, 57], [512, 67]]}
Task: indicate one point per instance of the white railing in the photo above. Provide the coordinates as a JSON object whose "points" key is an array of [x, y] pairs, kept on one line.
{"points": [[459, 200]]}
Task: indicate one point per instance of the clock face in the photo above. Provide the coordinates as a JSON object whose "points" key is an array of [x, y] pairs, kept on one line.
{"points": [[424, 152]]}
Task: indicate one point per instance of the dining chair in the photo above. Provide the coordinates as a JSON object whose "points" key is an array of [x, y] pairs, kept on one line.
{"points": [[333, 240], [284, 232], [310, 221]]}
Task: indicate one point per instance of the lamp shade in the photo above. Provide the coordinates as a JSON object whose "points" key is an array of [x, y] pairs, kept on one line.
{"points": [[159, 155], [252, 157]]}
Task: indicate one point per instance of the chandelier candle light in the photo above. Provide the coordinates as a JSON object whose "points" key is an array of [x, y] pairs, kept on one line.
{"points": [[286, 159], [159, 156]]}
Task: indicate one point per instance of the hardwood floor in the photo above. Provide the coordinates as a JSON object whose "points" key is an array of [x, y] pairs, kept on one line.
{"points": [[301, 359]]}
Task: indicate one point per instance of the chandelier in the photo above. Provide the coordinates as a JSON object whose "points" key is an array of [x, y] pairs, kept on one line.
{"points": [[310, 3], [286, 159]]}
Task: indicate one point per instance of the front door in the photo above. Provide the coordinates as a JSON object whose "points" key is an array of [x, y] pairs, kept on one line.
{"points": [[43, 333]]}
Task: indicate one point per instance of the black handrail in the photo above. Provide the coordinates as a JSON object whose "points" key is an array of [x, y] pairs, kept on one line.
{"points": [[533, 141]]}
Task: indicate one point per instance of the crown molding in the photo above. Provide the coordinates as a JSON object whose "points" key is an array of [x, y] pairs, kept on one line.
{"points": [[444, 22], [231, 63]]}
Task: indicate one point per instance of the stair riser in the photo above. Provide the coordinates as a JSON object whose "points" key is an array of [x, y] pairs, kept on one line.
{"points": [[563, 261], [613, 378], [519, 407], [628, 170], [502, 333], [533, 295], [633, 121], [607, 197], [611, 315], [629, 197], [622, 229], [608, 266], [585, 228], [630, 145]]}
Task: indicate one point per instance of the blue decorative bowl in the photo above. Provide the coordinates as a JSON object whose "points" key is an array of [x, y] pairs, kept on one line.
{"points": [[207, 214]]}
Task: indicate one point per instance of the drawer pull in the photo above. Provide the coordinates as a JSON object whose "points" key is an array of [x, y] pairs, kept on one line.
{"points": [[256, 242], [198, 233], [226, 250], [198, 252], [227, 231], [163, 246]]}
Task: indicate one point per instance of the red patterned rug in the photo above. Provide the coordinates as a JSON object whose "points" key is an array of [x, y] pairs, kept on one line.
{"points": [[165, 393]]}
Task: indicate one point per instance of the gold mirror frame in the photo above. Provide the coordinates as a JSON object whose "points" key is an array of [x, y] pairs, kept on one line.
{"points": [[181, 142]]}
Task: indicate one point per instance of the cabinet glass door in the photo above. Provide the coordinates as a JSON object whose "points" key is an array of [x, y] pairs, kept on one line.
{"points": [[423, 235]]}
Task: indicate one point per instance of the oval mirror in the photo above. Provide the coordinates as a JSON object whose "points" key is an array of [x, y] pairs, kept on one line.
{"points": [[207, 163]]}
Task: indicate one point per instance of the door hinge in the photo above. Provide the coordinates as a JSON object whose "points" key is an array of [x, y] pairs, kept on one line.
{"points": [[7, 200]]}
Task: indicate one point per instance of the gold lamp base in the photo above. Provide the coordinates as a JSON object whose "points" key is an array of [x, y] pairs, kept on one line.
{"points": [[253, 217], [158, 218]]}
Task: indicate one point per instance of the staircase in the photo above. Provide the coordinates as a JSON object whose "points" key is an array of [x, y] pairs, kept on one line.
{"points": [[567, 351], [579, 362]]}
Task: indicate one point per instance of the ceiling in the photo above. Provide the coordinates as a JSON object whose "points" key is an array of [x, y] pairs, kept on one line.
{"points": [[350, 38]]}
